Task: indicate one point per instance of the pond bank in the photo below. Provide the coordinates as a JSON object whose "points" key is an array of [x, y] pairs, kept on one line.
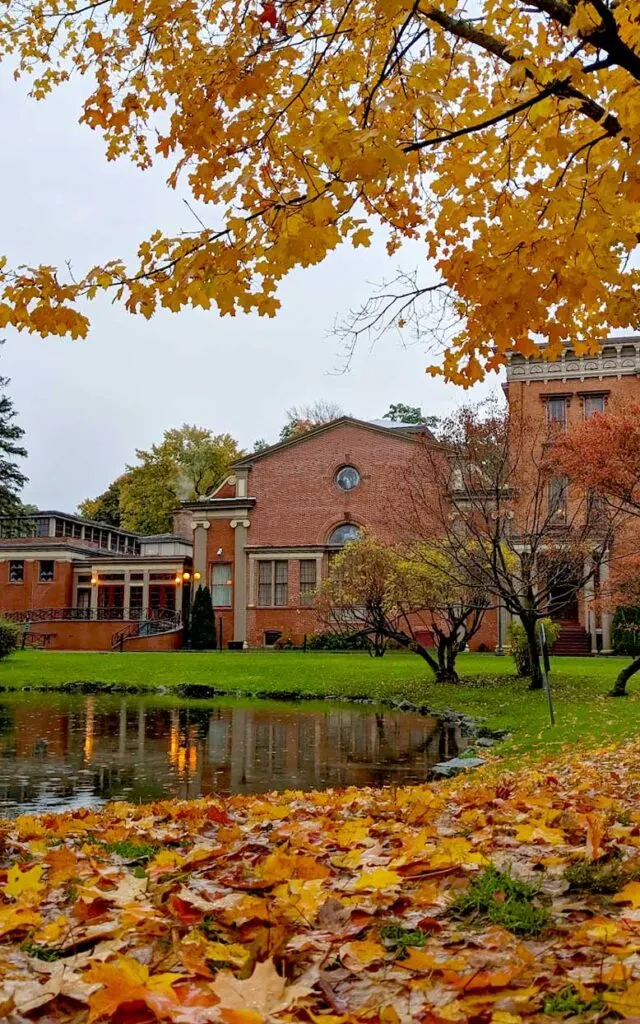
{"points": [[488, 693]]}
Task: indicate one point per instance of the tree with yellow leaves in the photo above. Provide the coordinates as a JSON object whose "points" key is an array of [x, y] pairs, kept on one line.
{"points": [[503, 136]]}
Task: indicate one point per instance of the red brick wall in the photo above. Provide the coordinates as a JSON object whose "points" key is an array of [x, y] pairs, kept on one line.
{"points": [[17, 597], [298, 501]]}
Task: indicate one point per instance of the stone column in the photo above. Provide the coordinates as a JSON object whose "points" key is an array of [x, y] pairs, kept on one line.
{"points": [[606, 616], [200, 528], [503, 618], [240, 527], [94, 596], [127, 592], [145, 594]]}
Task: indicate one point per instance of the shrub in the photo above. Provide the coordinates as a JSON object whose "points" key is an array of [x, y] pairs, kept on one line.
{"points": [[625, 633], [9, 638], [202, 628], [338, 642], [520, 645]]}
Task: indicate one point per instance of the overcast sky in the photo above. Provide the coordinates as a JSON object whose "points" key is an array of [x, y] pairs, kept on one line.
{"points": [[87, 405]]}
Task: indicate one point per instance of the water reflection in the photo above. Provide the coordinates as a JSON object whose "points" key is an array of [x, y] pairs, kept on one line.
{"points": [[58, 751]]}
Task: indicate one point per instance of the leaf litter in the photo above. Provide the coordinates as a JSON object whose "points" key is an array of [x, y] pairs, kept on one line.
{"points": [[497, 899]]}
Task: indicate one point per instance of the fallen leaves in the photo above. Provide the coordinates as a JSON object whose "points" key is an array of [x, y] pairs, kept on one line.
{"points": [[353, 907], [630, 894]]}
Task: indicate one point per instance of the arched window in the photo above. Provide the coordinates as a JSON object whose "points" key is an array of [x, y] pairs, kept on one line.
{"points": [[344, 533]]}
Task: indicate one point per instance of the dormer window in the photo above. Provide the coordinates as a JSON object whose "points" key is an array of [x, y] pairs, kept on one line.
{"points": [[347, 478]]}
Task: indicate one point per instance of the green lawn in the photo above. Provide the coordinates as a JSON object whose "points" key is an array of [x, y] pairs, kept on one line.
{"points": [[489, 690]]}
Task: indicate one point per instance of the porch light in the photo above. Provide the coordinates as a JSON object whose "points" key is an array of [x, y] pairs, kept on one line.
{"points": [[94, 581], [197, 575], [186, 575], [178, 580]]}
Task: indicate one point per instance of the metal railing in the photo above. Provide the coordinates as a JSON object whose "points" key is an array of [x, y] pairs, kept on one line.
{"points": [[172, 618], [147, 627]]}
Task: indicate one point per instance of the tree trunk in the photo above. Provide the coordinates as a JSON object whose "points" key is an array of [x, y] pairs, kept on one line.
{"points": [[534, 659], [446, 663], [620, 685]]}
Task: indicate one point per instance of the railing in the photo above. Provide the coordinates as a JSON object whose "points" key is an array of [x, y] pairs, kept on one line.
{"points": [[162, 622], [112, 614]]}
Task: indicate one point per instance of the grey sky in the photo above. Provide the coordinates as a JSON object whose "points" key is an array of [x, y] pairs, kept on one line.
{"points": [[87, 405]]}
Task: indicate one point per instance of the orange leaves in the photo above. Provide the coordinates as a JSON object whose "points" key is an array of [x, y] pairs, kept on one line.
{"points": [[280, 866], [127, 982], [339, 907]]}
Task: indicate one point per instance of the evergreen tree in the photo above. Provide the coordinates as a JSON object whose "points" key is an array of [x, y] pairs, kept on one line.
{"points": [[202, 629], [11, 479]]}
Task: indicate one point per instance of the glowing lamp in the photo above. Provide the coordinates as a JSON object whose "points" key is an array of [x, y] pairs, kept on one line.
{"points": [[178, 580], [186, 575], [94, 581], [196, 575]]}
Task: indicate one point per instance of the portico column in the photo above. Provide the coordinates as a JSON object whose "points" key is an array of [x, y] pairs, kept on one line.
{"points": [[127, 592], [240, 526], [200, 528], [94, 595], [606, 616], [503, 619]]}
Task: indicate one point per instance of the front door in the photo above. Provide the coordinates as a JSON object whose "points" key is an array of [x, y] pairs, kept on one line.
{"points": [[563, 596]]}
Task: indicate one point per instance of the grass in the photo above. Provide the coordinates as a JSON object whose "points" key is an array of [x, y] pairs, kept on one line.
{"points": [[488, 691], [601, 878], [496, 897], [569, 1004]]}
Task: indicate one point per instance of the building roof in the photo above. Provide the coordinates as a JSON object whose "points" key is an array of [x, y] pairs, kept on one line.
{"points": [[387, 427], [49, 513]]}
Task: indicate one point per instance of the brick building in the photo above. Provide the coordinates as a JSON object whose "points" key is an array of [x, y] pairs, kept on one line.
{"points": [[264, 539]]}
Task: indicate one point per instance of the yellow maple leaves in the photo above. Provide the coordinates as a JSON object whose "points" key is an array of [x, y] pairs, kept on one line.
{"points": [[23, 883], [509, 155]]}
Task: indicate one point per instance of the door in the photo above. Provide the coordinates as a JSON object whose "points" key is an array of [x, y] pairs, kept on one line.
{"points": [[162, 598], [563, 595], [111, 601]]}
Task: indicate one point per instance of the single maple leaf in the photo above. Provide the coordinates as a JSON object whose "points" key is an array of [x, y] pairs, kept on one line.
{"points": [[265, 992], [62, 863], [626, 1003], [595, 834], [23, 883], [359, 954], [13, 919], [269, 15], [378, 878], [126, 980], [630, 894]]}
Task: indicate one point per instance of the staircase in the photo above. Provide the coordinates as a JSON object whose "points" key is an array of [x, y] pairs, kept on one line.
{"points": [[573, 642]]}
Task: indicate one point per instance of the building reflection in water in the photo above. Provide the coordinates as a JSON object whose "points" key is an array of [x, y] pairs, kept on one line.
{"points": [[81, 751]]}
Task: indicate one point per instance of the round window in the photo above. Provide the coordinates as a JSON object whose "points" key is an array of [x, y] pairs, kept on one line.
{"points": [[347, 478], [345, 533]]}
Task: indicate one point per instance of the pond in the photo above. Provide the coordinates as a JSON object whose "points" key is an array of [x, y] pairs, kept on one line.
{"points": [[59, 751]]}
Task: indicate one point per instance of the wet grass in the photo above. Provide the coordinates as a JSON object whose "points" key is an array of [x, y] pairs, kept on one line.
{"points": [[489, 689], [494, 896]]}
